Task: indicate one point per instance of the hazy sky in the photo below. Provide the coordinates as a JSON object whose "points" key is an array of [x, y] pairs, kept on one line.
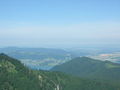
{"points": [[59, 23]]}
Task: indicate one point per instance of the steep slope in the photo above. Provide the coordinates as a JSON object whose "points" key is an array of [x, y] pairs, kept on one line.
{"points": [[91, 68], [15, 76]]}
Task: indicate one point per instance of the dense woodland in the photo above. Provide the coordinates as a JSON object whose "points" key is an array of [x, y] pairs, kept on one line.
{"points": [[15, 76], [84, 67]]}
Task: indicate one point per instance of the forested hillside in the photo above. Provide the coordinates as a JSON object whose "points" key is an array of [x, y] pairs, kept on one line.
{"points": [[93, 69], [15, 76]]}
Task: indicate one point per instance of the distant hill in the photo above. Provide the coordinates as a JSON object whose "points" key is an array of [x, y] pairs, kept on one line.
{"points": [[35, 53], [47, 58], [38, 58], [15, 76], [92, 69]]}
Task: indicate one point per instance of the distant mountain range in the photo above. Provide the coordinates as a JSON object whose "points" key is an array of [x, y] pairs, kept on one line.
{"points": [[35, 53], [15, 76], [46, 58], [38, 58], [90, 68]]}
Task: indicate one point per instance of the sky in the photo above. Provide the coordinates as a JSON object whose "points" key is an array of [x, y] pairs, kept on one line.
{"points": [[59, 23]]}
